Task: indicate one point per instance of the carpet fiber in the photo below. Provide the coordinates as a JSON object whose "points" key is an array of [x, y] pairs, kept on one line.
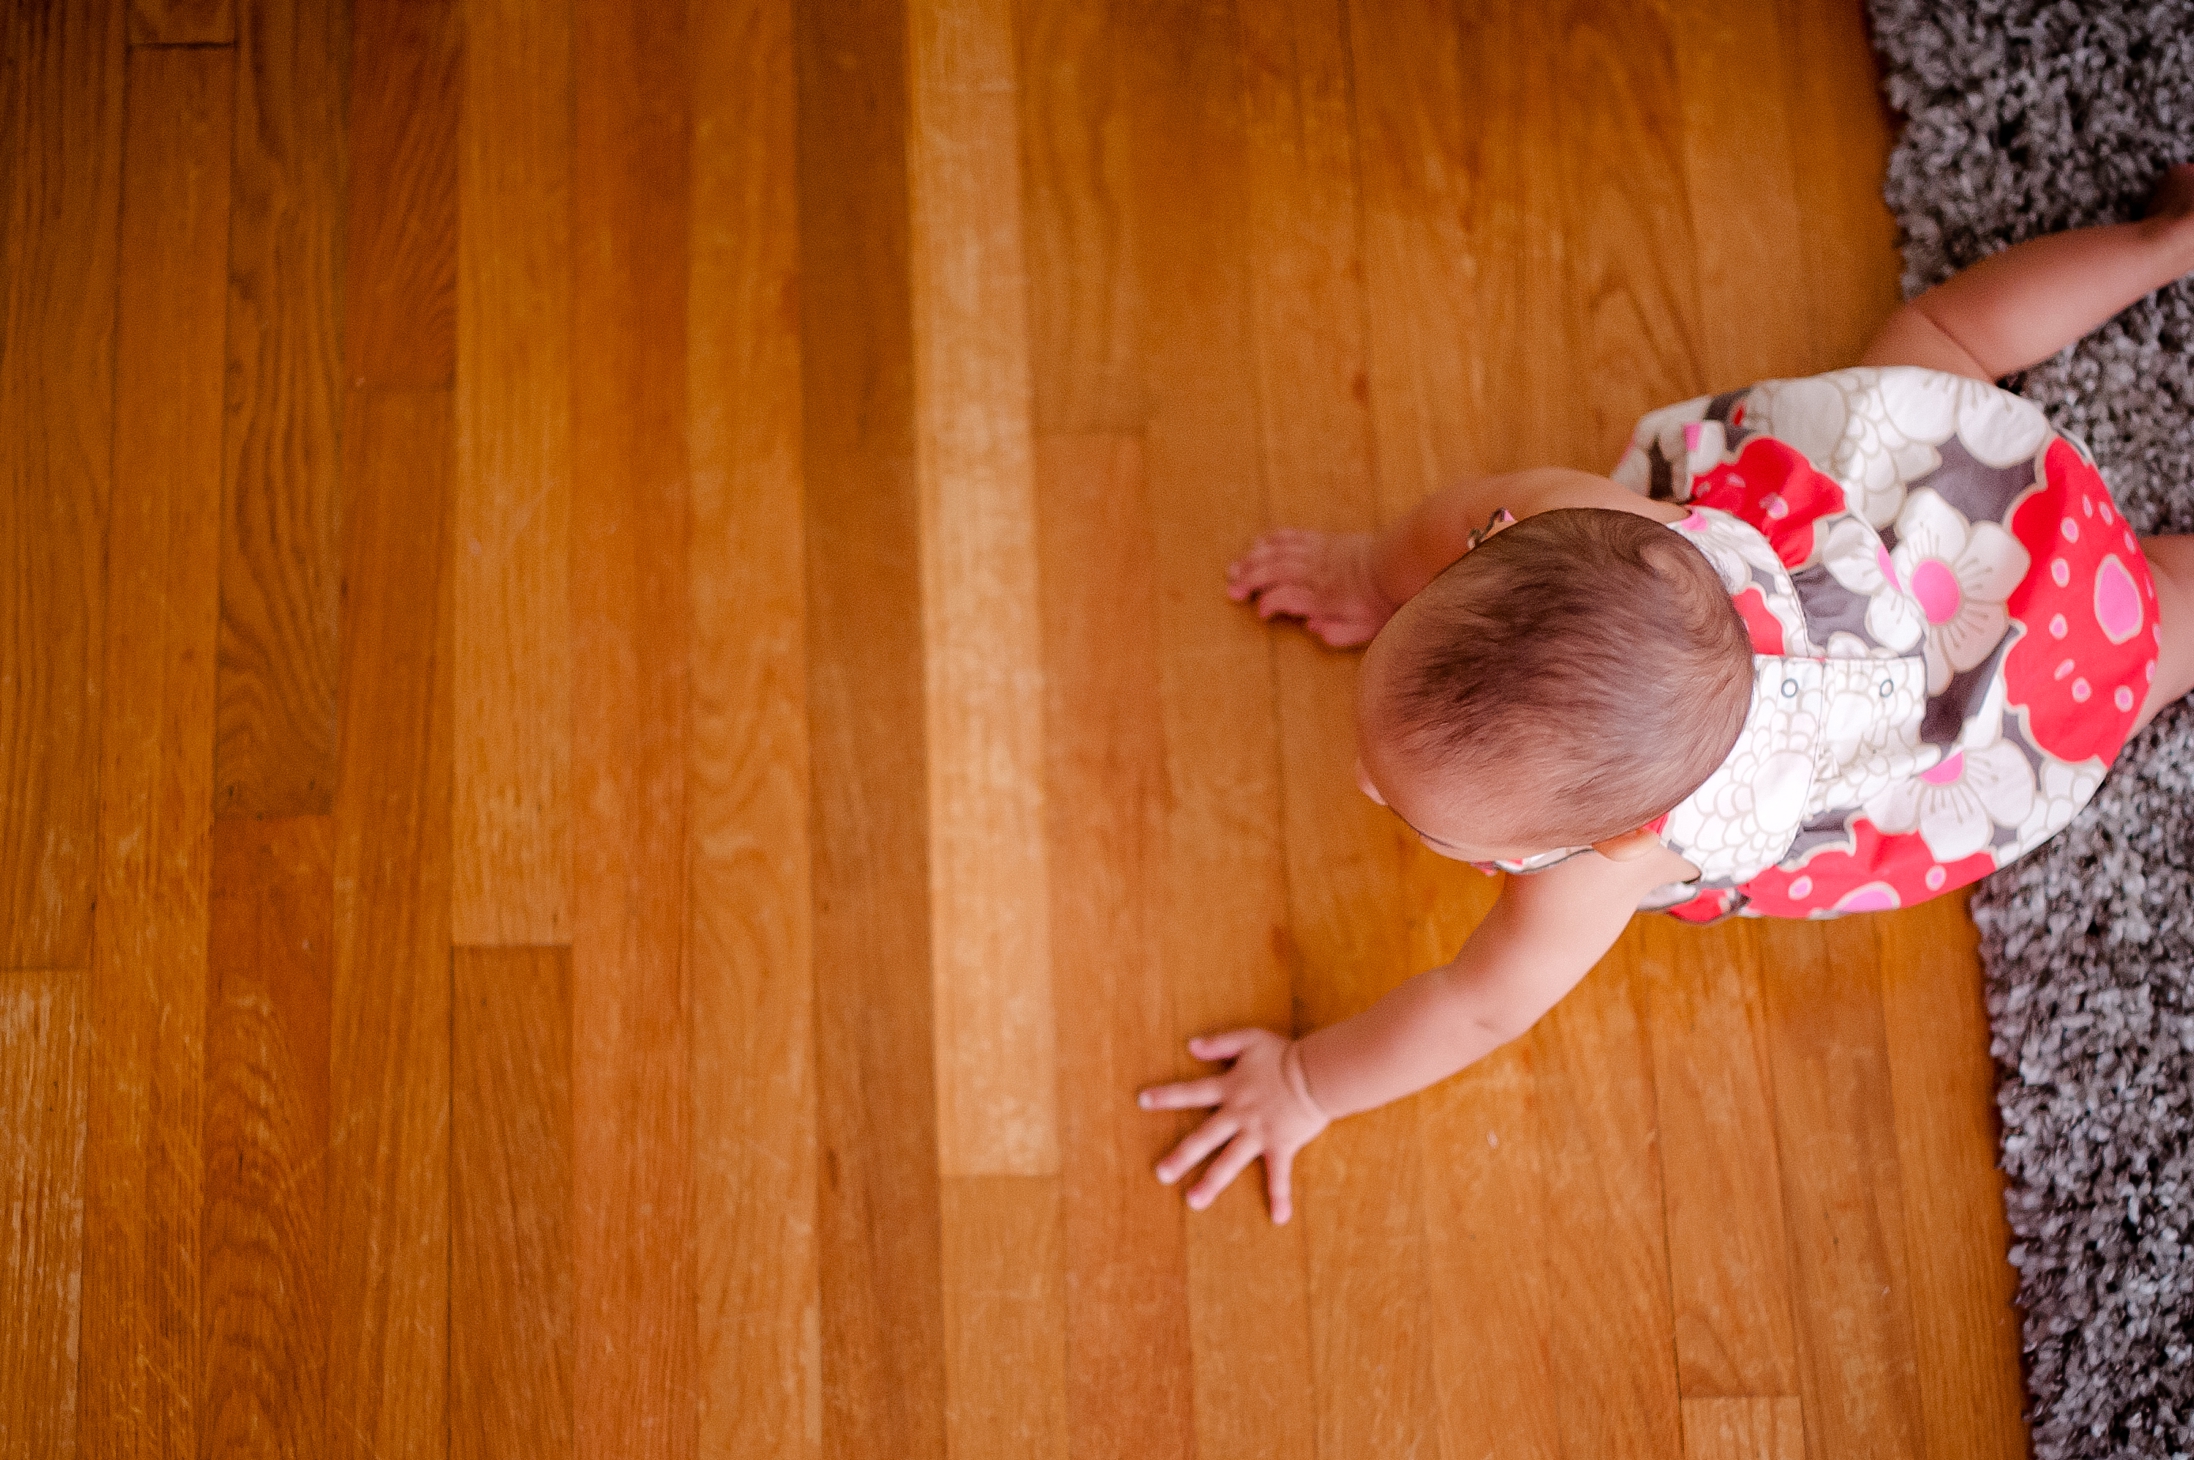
{"points": [[2023, 118]]}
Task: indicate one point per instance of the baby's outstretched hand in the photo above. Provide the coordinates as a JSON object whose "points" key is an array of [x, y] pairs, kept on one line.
{"points": [[1264, 1109], [1322, 578]]}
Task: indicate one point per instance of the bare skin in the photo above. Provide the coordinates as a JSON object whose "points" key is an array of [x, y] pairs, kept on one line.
{"points": [[1547, 930]]}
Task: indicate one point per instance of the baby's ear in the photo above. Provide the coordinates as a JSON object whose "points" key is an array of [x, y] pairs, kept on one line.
{"points": [[1629, 846]]}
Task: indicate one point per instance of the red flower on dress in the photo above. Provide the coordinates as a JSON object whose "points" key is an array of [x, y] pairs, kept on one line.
{"points": [[1707, 907], [1765, 628], [1876, 872], [1774, 488], [2087, 606]]}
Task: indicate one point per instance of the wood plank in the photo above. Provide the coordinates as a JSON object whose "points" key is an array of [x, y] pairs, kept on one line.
{"points": [[42, 1091], [1627, 240], [879, 1239], [182, 23], [750, 929], [400, 284], [1754, 320], [1842, 1190], [1373, 1343], [1728, 1255], [1106, 795], [512, 817], [281, 561], [1460, 218], [981, 620], [1850, 241], [632, 1107], [388, 1168], [1965, 1327], [510, 1336], [146, 999], [61, 129], [1005, 1338], [1744, 1429], [1613, 1340], [1185, 202], [263, 1308]]}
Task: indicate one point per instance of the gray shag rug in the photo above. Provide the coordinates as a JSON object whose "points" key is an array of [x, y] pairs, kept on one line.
{"points": [[2021, 118]]}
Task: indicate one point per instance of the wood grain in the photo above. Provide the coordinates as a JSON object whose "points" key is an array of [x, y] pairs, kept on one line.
{"points": [[61, 129], [878, 1232], [1613, 1337], [1965, 1329], [42, 1080], [632, 1104], [1005, 1334], [750, 923], [182, 22], [400, 282], [281, 576], [146, 998], [389, 1092], [512, 816], [263, 1305], [1744, 1429], [1371, 1310], [1727, 1251], [981, 620], [510, 1184], [1106, 797], [1842, 1189]]}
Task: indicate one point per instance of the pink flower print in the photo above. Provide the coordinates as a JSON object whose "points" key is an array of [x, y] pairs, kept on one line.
{"points": [[1776, 490], [1959, 574], [1956, 804], [1873, 871], [2089, 612]]}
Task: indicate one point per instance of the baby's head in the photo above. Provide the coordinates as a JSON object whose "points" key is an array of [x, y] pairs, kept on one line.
{"points": [[1563, 684]]}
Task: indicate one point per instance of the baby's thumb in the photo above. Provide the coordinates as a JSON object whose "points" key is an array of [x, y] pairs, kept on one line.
{"points": [[1223, 1046]]}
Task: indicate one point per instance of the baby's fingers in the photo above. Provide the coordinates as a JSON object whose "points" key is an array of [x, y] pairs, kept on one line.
{"points": [[1199, 1143], [1187, 1095], [1278, 1167], [1238, 1154], [1227, 1045]]}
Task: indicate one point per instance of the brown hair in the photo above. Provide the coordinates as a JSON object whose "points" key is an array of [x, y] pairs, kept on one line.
{"points": [[1593, 653]]}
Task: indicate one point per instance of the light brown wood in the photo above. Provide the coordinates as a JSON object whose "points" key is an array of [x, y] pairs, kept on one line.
{"points": [[1005, 1349], [281, 578], [510, 1315], [146, 999], [512, 819], [62, 190], [1744, 1429], [182, 22], [263, 1293], [1965, 1331], [400, 253], [981, 620], [1613, 1331], [1842, 1189], [750, 924], [389, 1096], [43, 1073], [878, 1219], [1124, 1255], [631, 1097], [1727, 1251]]}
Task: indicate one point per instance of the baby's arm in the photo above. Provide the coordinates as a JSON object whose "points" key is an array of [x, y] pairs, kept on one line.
{"points": [[1345, 585], [1545, 932]]}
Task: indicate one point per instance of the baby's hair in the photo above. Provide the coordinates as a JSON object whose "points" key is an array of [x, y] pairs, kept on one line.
{"points": [[1589, 655]]}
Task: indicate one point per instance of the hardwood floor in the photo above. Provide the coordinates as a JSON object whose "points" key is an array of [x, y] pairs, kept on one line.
{"points": [[620, 742]]}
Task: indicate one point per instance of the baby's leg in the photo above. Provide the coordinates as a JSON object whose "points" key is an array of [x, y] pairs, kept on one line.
{"points": [[2019, 307], [2171, 560]]}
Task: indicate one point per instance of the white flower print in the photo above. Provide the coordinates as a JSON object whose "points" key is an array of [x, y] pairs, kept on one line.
{"points": [[1959, 573], [1855, 557], [1746, 815], [1957, 804], [2063, 788], [1871, 732], [1743, 558]]}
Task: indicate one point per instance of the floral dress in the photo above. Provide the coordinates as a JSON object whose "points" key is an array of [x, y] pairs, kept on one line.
{"points": [[1952, 632]]}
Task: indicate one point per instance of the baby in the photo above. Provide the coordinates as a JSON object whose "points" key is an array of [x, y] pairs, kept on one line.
{"points": [[1821, 646]]}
